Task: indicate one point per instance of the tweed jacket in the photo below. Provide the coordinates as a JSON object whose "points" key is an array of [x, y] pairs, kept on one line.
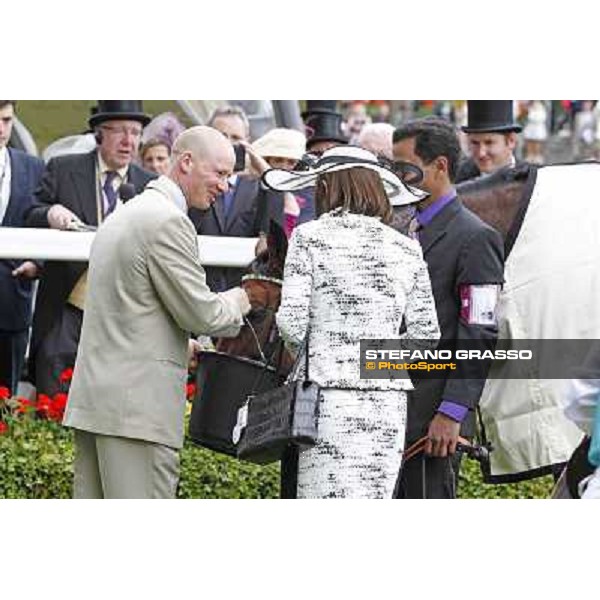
{"points": [[350, 277], [147, 291]]}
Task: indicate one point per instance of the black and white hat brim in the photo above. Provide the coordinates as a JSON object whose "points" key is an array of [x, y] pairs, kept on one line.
{"points": [[398, 192]]}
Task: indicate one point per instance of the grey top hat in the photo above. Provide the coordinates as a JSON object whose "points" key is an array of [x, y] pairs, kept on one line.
{"points": [[110, 110], [490, 116]]}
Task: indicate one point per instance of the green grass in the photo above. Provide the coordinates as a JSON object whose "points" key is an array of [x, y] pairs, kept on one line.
{"points": [[49, 120], [471, 485]]}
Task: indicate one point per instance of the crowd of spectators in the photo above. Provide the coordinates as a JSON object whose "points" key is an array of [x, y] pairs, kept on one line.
{"points": [[125, 149], [136, 148]]}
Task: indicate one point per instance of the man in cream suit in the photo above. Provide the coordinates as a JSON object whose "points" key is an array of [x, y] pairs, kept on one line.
{"points": [[147, 293]]}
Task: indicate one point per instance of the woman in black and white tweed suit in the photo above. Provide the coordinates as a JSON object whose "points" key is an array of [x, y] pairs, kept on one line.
{"points": [[348, 276]]}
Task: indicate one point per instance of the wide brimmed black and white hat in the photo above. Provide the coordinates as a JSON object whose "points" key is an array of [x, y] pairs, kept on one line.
{"points": [[340, 158]]}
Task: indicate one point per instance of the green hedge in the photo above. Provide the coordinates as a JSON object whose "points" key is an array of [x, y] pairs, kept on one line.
{"points": [[36, 461]]}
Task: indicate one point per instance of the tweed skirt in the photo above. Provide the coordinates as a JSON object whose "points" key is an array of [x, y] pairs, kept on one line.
{"points": [[359, 446]]}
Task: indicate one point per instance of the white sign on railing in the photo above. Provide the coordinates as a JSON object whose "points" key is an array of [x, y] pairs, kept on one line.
{"points": [[51, 244]]}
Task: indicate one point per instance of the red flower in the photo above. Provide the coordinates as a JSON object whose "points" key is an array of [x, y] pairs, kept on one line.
{"points": [[190, 391], [66, 375], [57, 407], [24, 406], [4, 393], [3, 427], [43, 405]]}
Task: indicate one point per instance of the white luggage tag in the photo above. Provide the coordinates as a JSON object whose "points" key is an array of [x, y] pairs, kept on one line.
{"points": [[242, 421]]}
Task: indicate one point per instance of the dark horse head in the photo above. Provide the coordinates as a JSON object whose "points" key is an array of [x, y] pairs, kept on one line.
{"points": [[259, 339], [501, 198], [270, 263]]}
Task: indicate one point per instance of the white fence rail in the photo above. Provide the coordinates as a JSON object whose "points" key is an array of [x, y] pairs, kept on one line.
{"points": [[51, 244]]}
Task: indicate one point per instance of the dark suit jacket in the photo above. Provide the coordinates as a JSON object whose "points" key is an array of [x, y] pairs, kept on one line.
{"points": [[71, 181], [459, 248], [244, 220], [468, 170], [16, 294]]}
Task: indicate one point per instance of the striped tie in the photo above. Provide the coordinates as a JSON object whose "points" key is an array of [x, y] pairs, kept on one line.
{"points": [[110, 192]]}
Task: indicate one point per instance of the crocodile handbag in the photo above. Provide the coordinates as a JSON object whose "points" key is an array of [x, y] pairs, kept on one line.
{"points": [[271, 421]]}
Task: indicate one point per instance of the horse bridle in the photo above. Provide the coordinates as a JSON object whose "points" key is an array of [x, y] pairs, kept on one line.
{"points": [[257, 277]]}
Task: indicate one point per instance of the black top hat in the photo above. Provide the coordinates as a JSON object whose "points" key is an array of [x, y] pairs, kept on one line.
{"points": [[110, 110], [323, 123], [490, 116], [320, 106]]}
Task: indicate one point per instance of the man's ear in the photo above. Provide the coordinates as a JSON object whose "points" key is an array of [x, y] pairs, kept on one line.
{"points": [[511, 140], [186, 163], [441, 163]]}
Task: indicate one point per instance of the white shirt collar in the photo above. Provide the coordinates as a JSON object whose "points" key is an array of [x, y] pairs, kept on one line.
{"points": [[104, 168], [5, 181], [174, 192]]}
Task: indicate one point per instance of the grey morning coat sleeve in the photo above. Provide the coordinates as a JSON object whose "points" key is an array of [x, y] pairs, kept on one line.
{"points": [[481, 262], [180, 281]]}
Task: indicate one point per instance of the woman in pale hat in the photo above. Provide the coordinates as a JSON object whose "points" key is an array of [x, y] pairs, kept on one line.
{"points": [[348, 277], [282, 149]]}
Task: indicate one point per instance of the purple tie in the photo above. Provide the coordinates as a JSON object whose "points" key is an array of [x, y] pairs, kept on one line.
{"points": [[109, 190], [413, 228]]}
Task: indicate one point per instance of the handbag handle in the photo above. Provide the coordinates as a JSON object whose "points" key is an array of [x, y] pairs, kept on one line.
{"points": [[295, 368], [302, 351]]}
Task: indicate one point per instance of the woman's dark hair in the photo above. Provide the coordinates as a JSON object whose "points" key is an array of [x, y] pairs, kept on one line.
{"points": [[357, 190]]}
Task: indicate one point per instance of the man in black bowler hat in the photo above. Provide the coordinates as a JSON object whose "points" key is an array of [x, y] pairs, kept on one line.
{"points": [[323, 126], [492, 136], [78, 190]]}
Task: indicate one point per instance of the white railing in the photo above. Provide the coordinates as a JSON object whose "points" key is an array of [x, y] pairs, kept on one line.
{"points": [[51, 244]]}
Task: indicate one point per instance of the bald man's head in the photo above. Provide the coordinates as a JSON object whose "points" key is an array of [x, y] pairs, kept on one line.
{"points": [[203, 159], [202, 142]]}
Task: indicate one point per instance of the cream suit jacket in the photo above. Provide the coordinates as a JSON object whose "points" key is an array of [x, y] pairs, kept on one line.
{"points": [[146, 293]]}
